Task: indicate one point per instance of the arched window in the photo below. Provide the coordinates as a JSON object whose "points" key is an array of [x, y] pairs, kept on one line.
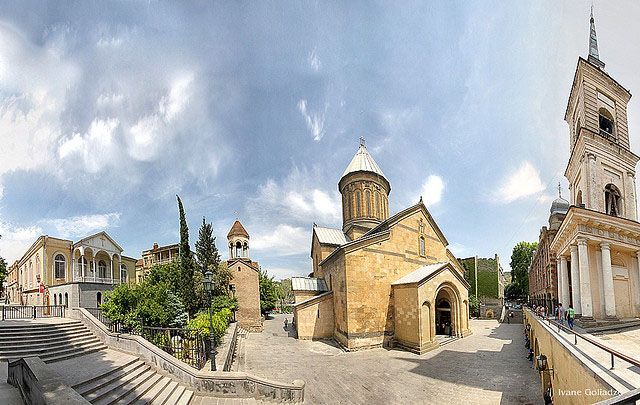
{"points": [[238, 249], [245, 250], [579, 198], [344, 206], [349, 205], [367, 198], [606, 122], [98, 299], [55, 300], [60, 299], [612, 200], [123, 273], [58, 266], [378, 205], [231, 250], [422, 246], [102, 269], [66, 299], [358, 208]]}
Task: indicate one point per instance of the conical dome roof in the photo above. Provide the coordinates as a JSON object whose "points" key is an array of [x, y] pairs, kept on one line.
{"points": [[362, 161], [237, 230]]}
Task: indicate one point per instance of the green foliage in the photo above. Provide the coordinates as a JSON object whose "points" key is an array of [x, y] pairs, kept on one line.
{"points": [[512, 291], [221, 278], [187, 291], [474, 305], [487, 276], [206, 250], [520, 261], [220, 302], [3, 271], [268, 293], [221, 319]]}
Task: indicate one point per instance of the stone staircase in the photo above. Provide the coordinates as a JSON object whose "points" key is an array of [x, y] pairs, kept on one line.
{"points": [[50, 341], [444, 340], [133, 382]]}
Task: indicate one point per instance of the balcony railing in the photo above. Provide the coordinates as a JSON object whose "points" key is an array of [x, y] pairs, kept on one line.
{"points": [[92, 277]]}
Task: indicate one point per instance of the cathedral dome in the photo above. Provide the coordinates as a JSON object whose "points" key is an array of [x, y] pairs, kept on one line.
{"points": [[363, 162], [559, 206]]}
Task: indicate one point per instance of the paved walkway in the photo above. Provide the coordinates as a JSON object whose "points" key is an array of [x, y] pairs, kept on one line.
{"points": [[488, 367], [9, 395]]}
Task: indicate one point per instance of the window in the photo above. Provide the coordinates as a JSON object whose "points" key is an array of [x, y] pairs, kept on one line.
{"points": [[238, 249], [606, 122], [123, 273], [58, 266], [245, 248], [367, 198], [55, 300], [102, 269], [612, 200], [349, 203], [422, 246], [358, 198], [378, 205], [98, 299], [579, 198], [66, 299]]}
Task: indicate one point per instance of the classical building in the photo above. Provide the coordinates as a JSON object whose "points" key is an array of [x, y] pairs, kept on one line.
{"points": [[56, 271], [598, 243], [487, 282], [155, 256], [12, 292], [543, 274], [380, 280], [245, 284]]}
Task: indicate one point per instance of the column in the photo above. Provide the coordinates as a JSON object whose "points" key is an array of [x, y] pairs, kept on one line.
{"points": [[82, 265], [585, 281], [111, 269], [95, 270], [564, 275], [575, 280], [607, 281], [560, 280]]}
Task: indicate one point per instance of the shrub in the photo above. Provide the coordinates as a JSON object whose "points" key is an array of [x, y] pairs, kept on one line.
{"points": [[221, 319]]}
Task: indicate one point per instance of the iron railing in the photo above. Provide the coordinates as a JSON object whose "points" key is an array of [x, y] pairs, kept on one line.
{"points": [[32, 311], [182, 343]]}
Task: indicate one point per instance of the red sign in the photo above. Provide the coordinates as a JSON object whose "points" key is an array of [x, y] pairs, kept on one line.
{"points": [[41, 288]]}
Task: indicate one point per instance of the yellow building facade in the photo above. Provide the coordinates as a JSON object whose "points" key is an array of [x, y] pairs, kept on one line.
{"points": [[380, 280]]}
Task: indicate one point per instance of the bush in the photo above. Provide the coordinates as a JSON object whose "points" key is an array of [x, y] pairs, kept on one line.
{"points": [[221, 319], [220, 302]]}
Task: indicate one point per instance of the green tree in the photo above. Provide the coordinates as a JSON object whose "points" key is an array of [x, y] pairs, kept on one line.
{"points": [[206, 250], [187, 293], [520, 261], [222, 276], [474, 305], [268, 292], [3, 272]]}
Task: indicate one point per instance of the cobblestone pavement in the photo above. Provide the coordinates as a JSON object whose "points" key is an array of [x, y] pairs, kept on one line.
{"points": [[488, 367]]}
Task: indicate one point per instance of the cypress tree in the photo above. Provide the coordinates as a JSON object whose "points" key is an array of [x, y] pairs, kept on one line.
{"points": [[188, 289]]}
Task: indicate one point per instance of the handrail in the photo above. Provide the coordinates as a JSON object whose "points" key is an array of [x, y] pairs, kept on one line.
{"points": [[577, 335]]}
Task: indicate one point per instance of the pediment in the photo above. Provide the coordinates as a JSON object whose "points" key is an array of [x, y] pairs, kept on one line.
{"points": [[100, 241]]}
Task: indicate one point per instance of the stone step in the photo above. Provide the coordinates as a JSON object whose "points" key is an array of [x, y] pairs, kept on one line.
{"points": [[73, 352], [106, 378], [185, 397], [150, 396], [46, 345], [116, 385], [37, 331], [141, 388], [44, 350], [47, 336], [175, 396], [166, 393]]}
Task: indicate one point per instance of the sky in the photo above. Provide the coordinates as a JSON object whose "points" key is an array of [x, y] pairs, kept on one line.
{"points": [[252, 110]]}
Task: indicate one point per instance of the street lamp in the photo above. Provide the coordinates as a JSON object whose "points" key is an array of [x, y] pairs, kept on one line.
{"points": [[208, 286], [542, 364]]}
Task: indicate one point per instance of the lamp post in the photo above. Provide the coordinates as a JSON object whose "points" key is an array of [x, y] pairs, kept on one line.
{"points": [[208, 286]]}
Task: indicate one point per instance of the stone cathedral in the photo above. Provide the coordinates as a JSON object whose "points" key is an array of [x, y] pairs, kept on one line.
{"points": [[380, 280], [598, 242]]}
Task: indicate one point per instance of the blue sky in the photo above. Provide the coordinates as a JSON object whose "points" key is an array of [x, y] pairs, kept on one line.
{"points": [[109, 109]]}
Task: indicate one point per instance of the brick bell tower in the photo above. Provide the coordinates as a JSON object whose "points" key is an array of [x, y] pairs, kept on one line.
{"points": [[365, 194]]}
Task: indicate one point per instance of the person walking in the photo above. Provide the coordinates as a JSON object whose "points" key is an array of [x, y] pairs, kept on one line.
{"points": [[560, 313], [571, 314]]}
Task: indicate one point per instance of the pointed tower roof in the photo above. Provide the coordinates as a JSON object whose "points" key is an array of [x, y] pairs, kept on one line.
{"points": [[363, 162], [237, 230], [594, 57]]}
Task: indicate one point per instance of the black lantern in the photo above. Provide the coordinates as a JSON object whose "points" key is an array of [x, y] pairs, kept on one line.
{"points": [[542, 364], [208, 287]]}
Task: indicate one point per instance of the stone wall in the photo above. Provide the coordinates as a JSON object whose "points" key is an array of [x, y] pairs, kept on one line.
{"points": [[247, 291], [407, 317], [314, 319], [572, 371]]}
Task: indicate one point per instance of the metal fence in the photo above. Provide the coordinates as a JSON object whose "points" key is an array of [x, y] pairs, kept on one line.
{"points": [[32, 311], [182, 343]]}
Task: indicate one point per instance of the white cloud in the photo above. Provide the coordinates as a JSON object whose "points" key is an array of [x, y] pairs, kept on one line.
{"points": [[284, 240], [297, 198], [280, 273], [522, 183], [15, 240], [432, 190], [84, 225], [96, 148], [314, 60], [458, 249], [314, 120]]}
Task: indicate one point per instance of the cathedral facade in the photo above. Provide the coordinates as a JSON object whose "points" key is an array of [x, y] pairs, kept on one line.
{"points": [[598, 243], [381, 280]]}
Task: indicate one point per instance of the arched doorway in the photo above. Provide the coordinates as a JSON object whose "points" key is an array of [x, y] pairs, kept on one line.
{"points": [[448, 312], [443, 317]]}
